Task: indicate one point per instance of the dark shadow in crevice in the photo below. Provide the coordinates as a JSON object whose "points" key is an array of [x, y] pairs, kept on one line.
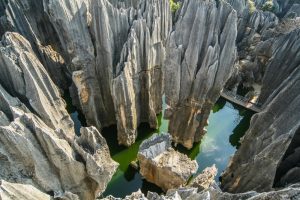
{"points": [[290, 161], [76, 115]]}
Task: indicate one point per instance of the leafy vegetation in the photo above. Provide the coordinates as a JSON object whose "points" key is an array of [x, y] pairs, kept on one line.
{"points": [[252, 7], [174, 6], [268, 6]]}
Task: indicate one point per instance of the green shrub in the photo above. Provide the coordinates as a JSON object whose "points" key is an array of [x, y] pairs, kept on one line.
{"points": [[174, 6], [268, 6], [252, 7]]}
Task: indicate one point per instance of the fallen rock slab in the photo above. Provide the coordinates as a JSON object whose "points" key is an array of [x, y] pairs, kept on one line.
{"points": [[162, 165]]}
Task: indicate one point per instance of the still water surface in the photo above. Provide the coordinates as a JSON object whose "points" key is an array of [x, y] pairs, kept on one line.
{"points": [[227, 124]]}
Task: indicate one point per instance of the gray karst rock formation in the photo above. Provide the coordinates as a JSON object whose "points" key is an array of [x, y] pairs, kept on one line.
{"points": [[257, 31], [114, 67], [285, 59], [214, 193], [257, 161], [38, 143], [23, 75], [21, 191], [161, 164], [118, 58], [200, 56], [272, 63], [29, 152], [85, 41], [206, 179], [252, 23], [28, 18]]}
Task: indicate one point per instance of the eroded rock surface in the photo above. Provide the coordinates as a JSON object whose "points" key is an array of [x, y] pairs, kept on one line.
{"points": [[27, 17], [214, 193], [285, 51], [116, 53], [267, 141], [24, 76], [200, 57], [205, 179], [260, 36], [162, 165], [21, 191], [38, 146]]}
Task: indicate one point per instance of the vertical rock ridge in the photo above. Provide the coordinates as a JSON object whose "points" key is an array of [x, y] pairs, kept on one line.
{"points": [[137, 87], [274, 127], [39, 145], [99, 57], [200, 58], [25, 77]]}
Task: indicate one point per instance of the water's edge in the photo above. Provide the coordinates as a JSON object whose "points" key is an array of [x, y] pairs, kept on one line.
{"points": [[227, 124]]}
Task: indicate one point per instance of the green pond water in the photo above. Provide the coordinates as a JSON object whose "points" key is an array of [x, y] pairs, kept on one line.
{"points": [[227, 124]]}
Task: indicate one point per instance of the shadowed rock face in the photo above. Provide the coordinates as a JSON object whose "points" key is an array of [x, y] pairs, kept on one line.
{"points": [[200, 57], [38, 145], [257, 31], [27, 17], [162, 165], [265, 144]]}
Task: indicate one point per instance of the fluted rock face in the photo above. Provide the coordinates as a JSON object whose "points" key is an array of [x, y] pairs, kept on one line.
{"points": [[285, 52], [21, 191], [267, 141], [37, 140], [162, 165], [118, 55], [93, 148], [27, 17], [23, 75], [261, 28], [200, 57], [129, 69], [29, 149], [137, 86], [252, 25]]}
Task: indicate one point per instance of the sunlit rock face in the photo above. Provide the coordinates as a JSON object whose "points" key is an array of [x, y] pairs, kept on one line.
{"points": [[206, 179], [38, 146], [99, 45], [200, 55], [162, 165], [21, 191], [23, 75], [269, 142], [117, 55]]}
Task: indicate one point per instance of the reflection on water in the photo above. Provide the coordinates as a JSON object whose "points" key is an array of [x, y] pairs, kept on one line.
{"points": [[127, 180], [227, 124]]}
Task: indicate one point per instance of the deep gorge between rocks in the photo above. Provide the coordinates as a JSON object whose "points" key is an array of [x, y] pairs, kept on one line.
{"points": [[227, 124], [88, 86]]}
